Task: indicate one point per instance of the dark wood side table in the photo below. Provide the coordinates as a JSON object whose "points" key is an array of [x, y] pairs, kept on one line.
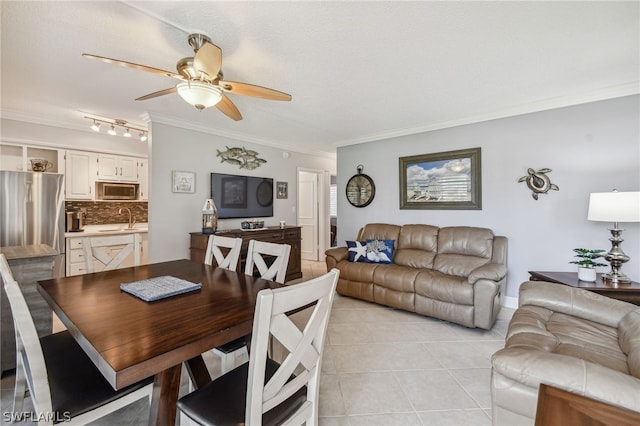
{"points": [[628, 292], [557, 407]]}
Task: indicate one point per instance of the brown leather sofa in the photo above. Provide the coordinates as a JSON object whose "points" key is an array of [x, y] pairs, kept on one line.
{"points": [[453, 273], [569, 338]]}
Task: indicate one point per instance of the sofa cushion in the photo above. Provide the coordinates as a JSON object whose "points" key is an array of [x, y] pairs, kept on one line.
{"points": [[629, 340], [541, 329], [416, 246], [443, 287], [357, 251], [461, 249], [396, 277], [379, 231]]}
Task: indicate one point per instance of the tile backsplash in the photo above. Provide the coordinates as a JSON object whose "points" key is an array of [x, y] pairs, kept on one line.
{"points": [[106, 212]]}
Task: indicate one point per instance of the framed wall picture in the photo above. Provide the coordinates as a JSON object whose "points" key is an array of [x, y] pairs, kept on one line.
{"points": [[183, 181], [282, 191], [445, 180]]}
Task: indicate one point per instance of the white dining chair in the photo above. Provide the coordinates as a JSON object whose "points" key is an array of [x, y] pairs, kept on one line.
{"points": [[263, 391], [110, 250], [277, 271], [63, 383], [214, 251]]}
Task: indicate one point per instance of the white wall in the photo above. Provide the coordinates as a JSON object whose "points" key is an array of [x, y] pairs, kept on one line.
{"points": [[590, 148], [15, 131], [173, 215]]}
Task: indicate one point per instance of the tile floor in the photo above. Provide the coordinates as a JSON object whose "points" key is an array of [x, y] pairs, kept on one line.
{"points": [[384, 366]]}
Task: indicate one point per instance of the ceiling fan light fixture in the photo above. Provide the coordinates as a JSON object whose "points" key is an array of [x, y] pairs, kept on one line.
{"points": [[199, 94]]}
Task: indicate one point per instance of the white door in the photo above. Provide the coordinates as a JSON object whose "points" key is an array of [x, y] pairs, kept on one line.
{"points": [[308, 214]]}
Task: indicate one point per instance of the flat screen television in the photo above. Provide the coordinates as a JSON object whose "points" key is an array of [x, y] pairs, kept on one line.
{"points": [[238, 196]]}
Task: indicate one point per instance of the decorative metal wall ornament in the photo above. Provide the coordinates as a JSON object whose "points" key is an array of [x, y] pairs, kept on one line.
{"points": [[245, 158], [538, 182]]}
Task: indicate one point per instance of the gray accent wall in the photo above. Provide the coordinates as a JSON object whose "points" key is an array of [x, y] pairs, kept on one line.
{"points": [[593, 147], [173, 215]]}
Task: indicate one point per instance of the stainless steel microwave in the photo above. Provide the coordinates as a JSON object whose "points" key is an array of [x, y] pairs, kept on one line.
{"points": [[117, 191]]}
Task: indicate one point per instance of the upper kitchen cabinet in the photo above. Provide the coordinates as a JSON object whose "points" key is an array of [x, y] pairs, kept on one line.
{"points": [[27, 158], [81, 175], [117, 168]]}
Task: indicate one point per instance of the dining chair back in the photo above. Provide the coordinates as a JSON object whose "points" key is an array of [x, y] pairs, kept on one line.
{"points": [[277, 271], [230, 261], [63, 383], [110, 250], [263, 391], [255, 257]]}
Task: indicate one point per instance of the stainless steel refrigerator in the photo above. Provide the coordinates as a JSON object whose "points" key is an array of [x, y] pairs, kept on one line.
{"points": [[32, 238]]}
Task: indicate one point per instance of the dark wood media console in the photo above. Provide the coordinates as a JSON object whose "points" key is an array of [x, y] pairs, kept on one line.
{"points": [[287, 235]]}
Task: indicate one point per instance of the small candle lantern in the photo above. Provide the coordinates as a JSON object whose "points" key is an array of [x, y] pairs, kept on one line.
{"points": [[209, 217]]}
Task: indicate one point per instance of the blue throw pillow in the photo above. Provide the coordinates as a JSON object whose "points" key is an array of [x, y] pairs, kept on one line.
{"points": [[357, 251], [380, 251]]}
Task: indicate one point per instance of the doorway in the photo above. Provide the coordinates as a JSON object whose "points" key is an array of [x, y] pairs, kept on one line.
{"points": [[312, 212]]}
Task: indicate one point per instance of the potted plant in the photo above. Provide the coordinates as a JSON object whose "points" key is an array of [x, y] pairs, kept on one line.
{"points": [[587, 264]]}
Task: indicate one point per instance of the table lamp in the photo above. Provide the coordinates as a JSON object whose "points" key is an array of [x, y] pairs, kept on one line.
{"points": [[615, 207]]}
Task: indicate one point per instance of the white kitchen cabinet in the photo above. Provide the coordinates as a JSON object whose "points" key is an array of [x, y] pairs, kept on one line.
{"points": [[18, 157], [117, 168], [80, 175], [75, 254], [143, 178]]}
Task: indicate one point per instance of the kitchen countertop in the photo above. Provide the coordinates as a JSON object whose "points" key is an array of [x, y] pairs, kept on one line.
{"points": [[108, 229]]}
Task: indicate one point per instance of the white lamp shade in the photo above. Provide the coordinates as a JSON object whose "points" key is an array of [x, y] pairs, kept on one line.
{"points": [[199, 94], [614, 207]]}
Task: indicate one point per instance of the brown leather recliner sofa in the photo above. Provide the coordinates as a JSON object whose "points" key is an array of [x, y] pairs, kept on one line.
{"points": [[569, 338], [453, 273]]}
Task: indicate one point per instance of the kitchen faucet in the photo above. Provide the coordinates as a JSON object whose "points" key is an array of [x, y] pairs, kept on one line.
{"points": [[131, 222]]}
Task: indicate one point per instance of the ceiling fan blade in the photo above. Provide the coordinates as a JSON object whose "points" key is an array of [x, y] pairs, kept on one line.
{"points": [[208, 59], [134, 66], [253, 90], [228, 108], [156, 94]]}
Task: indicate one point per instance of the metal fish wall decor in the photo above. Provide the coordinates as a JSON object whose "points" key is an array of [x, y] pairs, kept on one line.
{"points": [[245, 158]]}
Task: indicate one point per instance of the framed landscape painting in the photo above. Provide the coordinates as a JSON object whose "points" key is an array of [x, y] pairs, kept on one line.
{"points": [[448, 180]]}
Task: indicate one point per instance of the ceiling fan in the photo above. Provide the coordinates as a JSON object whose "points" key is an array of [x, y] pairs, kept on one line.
{"points": [[202, 83]]}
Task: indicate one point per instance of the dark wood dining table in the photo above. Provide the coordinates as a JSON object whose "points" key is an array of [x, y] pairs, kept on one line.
{"points": [[129, 339]]}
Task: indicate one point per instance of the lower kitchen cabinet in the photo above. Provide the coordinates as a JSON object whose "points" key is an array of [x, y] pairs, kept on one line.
{"points": [[75, 264], [287, 235]]}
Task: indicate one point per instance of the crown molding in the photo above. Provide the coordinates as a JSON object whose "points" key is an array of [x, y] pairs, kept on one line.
{"points": [[628, 89], [187, 125]]}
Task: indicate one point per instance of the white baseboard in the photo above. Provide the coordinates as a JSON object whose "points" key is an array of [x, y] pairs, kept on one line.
{"points": [[510, 302]]}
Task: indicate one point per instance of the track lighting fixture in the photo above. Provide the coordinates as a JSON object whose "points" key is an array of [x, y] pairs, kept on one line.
{"points": [[113, 124]]}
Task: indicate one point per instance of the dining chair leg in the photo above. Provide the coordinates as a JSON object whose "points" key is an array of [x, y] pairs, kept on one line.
{"points": [[20, 387]]}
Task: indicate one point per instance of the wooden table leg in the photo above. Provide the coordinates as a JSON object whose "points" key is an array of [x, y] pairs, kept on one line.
{"points": [[198, 372], [166, 386]]}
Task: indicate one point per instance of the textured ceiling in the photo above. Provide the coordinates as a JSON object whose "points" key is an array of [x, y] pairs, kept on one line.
{"points": [[357, 71]]}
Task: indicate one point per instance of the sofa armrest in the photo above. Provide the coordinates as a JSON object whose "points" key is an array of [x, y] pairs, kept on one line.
{"points": [[490, 271], [532, 367], [574, 301], [335, 255]]}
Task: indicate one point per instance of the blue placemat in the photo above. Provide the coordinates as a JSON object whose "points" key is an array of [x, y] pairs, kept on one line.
{"points": [[159, 287]]}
